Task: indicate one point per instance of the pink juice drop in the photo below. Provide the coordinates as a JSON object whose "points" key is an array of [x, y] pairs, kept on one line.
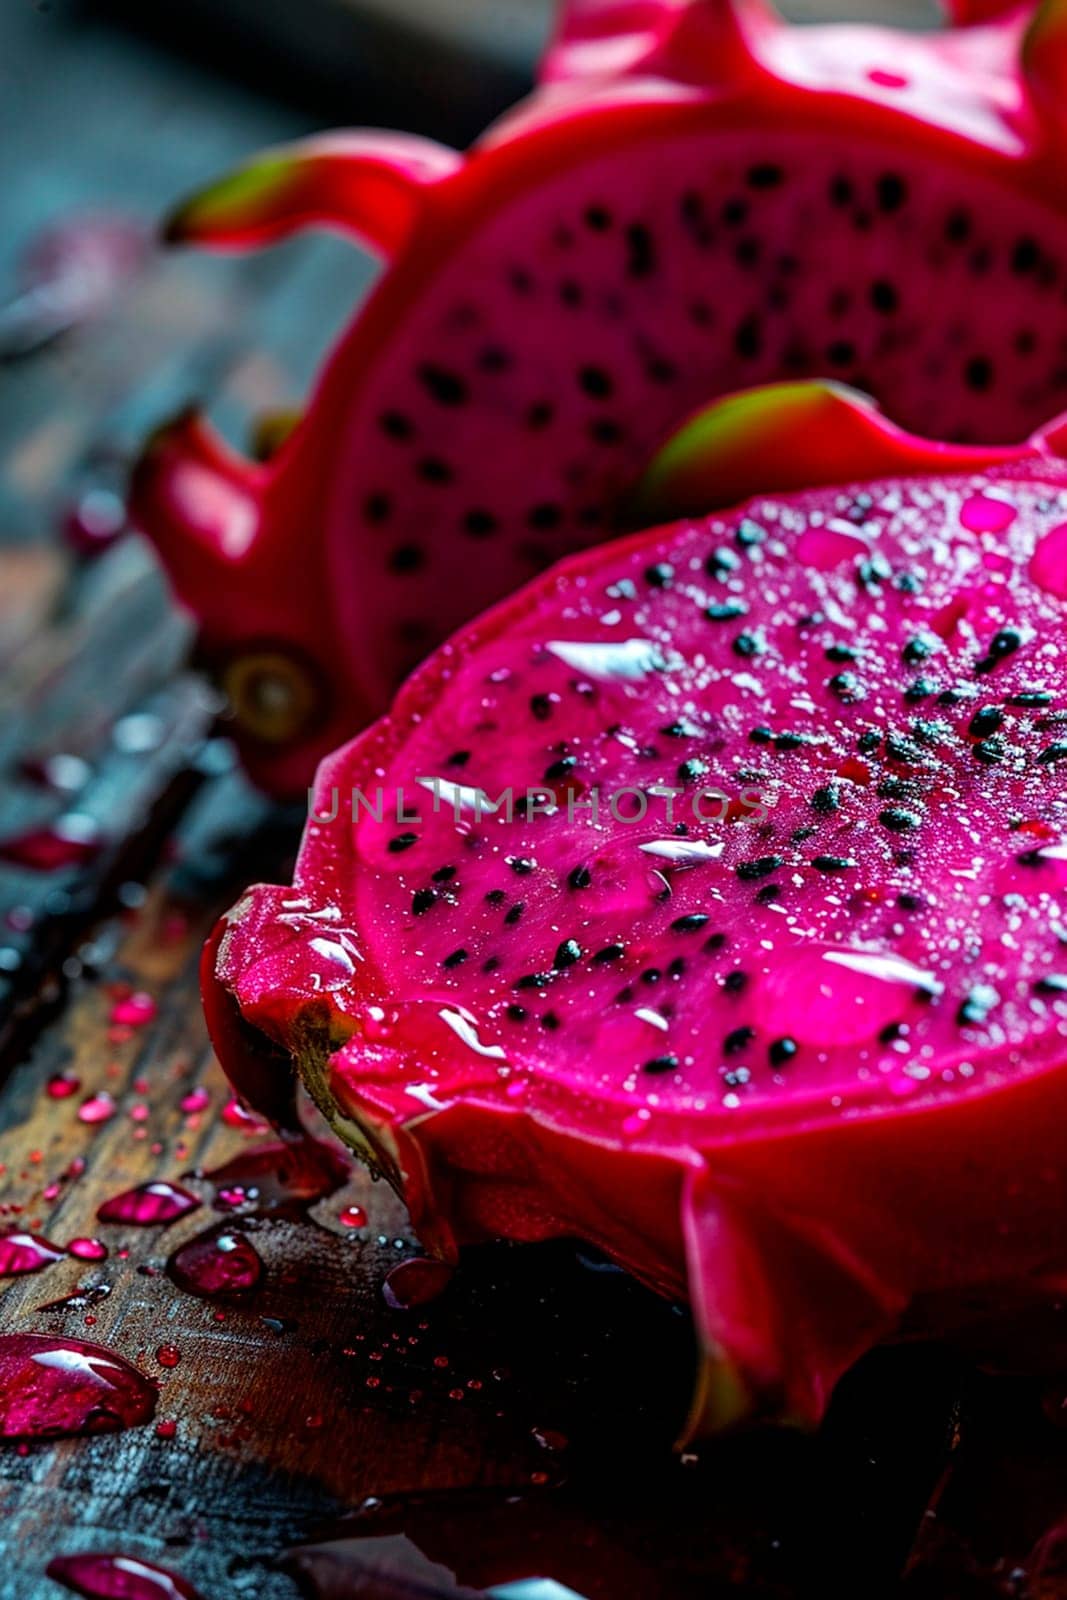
{"points": [[111, 1577], [352, 1217], [133, 1011], [87, 1249], [283, 1172], [219, 1262], [98, 1108], [52, 1387], [26, 1252], [148, 1205], [1048, 564], [61, 1085]]}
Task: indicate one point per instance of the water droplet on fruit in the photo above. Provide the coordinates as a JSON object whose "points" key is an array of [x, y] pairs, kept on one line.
{"points": [[826, 547], [1048, 565], [51, 1387], [148, 1205], [987, 513]]}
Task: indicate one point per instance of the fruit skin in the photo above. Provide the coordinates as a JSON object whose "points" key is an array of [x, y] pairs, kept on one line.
{"points": [[800, 1223], [871, 195]]}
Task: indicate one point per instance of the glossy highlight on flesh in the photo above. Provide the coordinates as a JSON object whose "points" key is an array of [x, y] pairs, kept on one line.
{"points": [[802, 1061]]}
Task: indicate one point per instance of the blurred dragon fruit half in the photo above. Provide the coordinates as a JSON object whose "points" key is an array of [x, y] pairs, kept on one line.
{"points": [[707, 900], [696, 198]]}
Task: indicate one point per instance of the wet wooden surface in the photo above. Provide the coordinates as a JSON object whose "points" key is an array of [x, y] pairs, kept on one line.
{"points": [[385, 1447]]}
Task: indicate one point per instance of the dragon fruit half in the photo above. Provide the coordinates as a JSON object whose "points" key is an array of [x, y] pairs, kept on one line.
{"points": [[696, 199], [707, 901]]}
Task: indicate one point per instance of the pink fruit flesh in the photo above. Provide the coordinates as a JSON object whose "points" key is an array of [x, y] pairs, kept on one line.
{"points": [[804, 1068], [696, 199]]}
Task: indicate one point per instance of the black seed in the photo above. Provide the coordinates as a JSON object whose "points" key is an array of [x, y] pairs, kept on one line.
{"points": [[598, 218], [1031, 697], [734, 212], [748, 339], [456, 959], [522, 865], [910, 902], [1004, 643], [641, 253], [714, 941], [545, 515], [395, 424], [832, 863], [514, 913], [721, 561], [841, 191], [690, 923], [769, 893], [579, 878], [749, 533], [596, 382], [422, 900], [444, 874], [433, 470], [1025, 256], [839, 652], [978, 1004], [735, 981], [900, 748], [540, 414], [919, 689], [748, 645], [791, 741], [1052, 983], [458, 758], [989, 751], [605, 431], [765, 175], [978, 373], [840, 353], [919, 649], [725, 610], [847, 687], [534, 980], [737, 1039], [560, 768], [661, 1064], [651, 975], [868, 742], [659, 575], [517, 1013], [1053, 752], [884, 297], [689, 771], [567, 954], [761, 867], [480, 524], [782, 1050], [761, 735], [892, 191], [891, 1031], [826, 799], [550, 1021], [447, 388], [610, 952], [898, 820], [376, 507], [401, 841]]}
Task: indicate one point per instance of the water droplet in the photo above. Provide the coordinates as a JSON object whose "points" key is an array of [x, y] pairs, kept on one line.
{"points": [[111, 1577], [1048, 565], [87, 1249], [218, 1262], [168, 1355], [415, 1283], [26, 1252], [148, 1205], [61, 1085], [987, 513], [51, 1387], [352, 1217]]}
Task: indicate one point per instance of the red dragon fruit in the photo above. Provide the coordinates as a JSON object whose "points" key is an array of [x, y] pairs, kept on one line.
{"points": [[707, 901], [697, 198]]}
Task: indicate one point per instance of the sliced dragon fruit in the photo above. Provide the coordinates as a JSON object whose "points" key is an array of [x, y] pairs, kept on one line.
{"points": [[696, 199], [708, 901]]}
